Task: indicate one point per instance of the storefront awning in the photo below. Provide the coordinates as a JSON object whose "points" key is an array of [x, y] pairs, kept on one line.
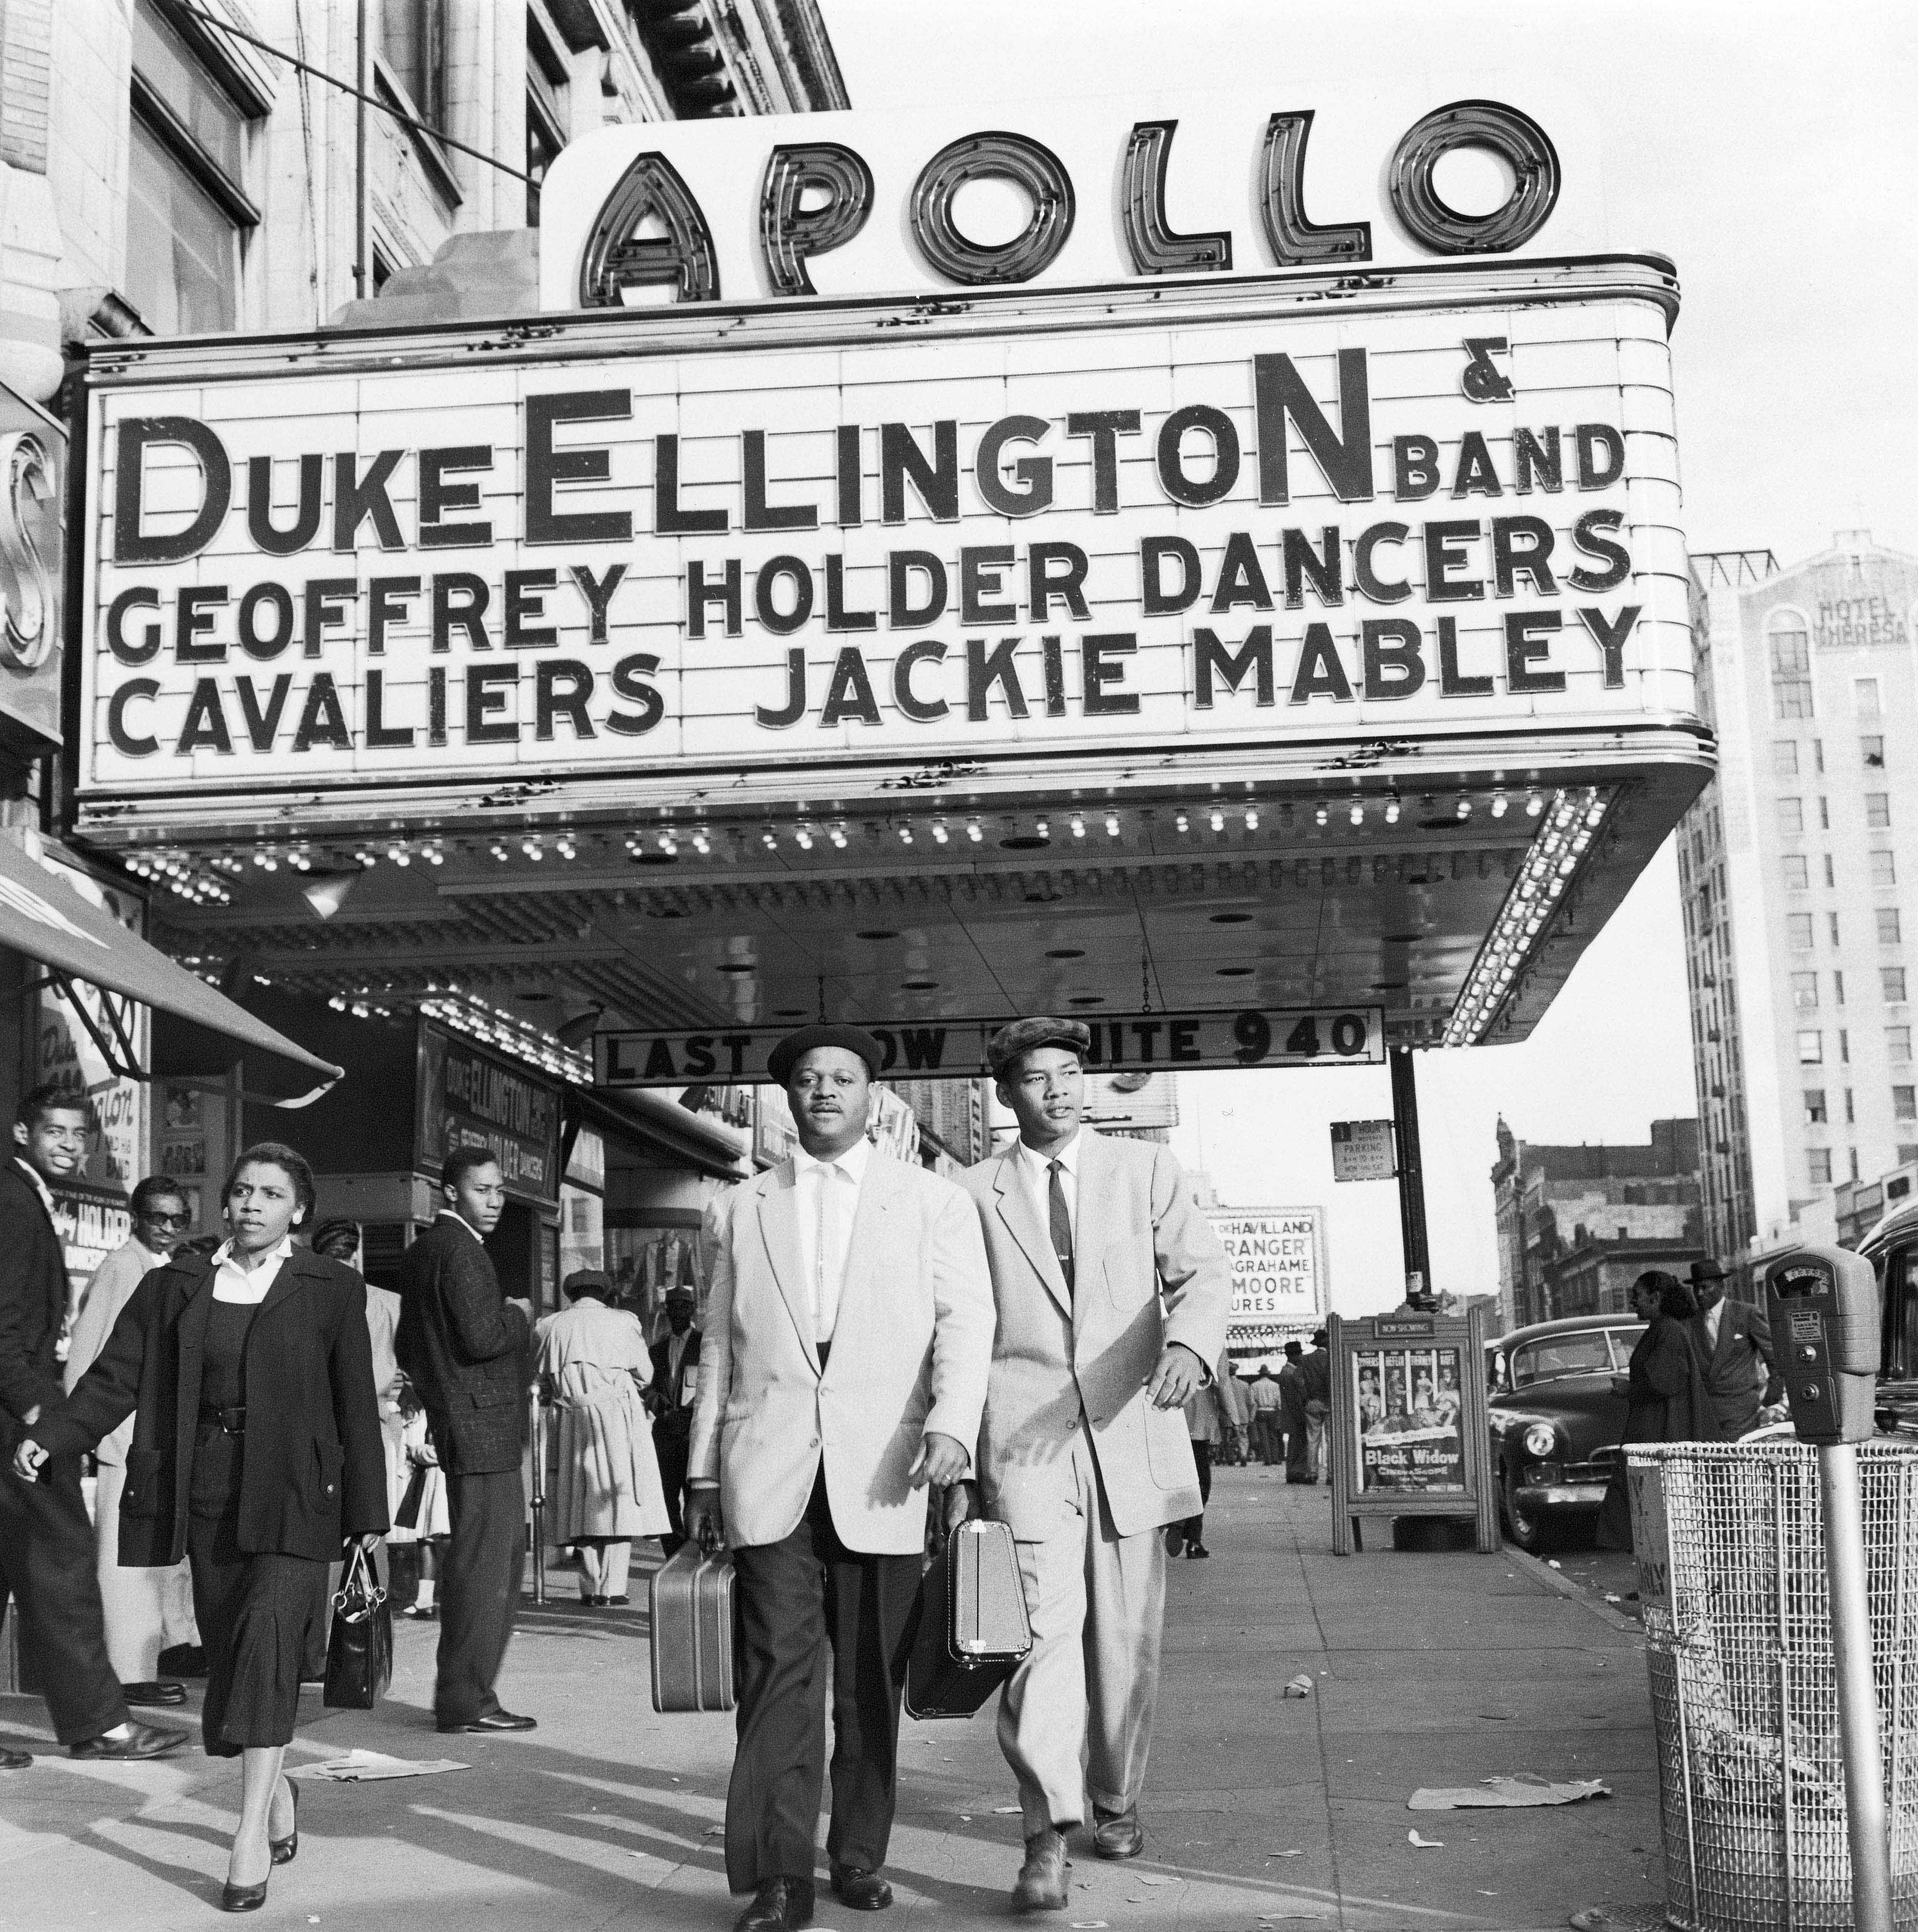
{"points": [[73, 940], [659, 1125]]}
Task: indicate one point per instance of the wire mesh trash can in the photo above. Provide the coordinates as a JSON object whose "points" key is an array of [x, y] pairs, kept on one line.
{"points": [[1729, 1543]]}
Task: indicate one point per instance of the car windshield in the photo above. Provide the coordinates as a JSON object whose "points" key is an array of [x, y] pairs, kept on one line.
{"points": [[1593, 1351]]}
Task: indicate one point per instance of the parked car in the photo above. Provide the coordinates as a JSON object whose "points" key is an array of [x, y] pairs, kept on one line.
{"points": [[1556, 1424], [1892, 1248]]}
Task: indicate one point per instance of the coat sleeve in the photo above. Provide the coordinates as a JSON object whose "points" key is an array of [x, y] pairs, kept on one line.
{"points": [[715, 1344], [1759, 1326], [964, 1319], [484, 1325], [22, 1386], [356, 1416], [1194, 1275], [109, 1392]]}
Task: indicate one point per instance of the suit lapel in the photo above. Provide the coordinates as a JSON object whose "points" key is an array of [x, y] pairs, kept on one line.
{"points": [[778, 1228], [292, 1276], [1017, 1210], [195, 1307]]}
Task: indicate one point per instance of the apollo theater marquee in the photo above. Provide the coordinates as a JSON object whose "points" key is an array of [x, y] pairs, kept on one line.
{"points": [[1164, 562]]}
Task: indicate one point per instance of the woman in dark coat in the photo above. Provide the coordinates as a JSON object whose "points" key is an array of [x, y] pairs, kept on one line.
{"points": [[257, 1453], [1663, 1388]]}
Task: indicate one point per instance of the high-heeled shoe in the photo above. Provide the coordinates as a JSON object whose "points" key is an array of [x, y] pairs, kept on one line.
{"points": [[242, 1898], [286, 1849]]}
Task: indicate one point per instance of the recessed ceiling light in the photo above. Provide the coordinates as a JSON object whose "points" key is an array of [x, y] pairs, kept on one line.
{"points": [[1087, 1000], [1401, 938], [1024, 842], [654, 858], [1235, 972], [790, 1013], [920, 985], [737, 966], [1066, 952], [1231, 918], [1390, 985], [875, 932]]}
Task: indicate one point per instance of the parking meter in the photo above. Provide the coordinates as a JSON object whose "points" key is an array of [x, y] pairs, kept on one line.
{"points": [[1823, 1305]]}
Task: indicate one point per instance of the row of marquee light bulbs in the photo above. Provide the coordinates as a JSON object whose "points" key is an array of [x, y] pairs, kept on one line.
{"points": [[200, 880]]}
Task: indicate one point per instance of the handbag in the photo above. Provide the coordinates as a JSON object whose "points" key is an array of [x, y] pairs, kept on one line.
{"points": [[359, 1653]]}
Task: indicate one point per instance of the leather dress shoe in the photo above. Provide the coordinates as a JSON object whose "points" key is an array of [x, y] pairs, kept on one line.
{"points": [[242, 1898], [1117, 1835], [494, 1720], [779, 1905], [1174, 1539], [142, 1740], [13, 1760], [1041, 1884], [859, 1889], [159, 1690], [1197, 1550], [285, 1850]]}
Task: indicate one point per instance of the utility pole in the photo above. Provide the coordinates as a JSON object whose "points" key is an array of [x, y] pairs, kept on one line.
{"points": [[1411, 1181]]}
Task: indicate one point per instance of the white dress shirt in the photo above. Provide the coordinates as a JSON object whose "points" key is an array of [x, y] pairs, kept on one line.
{"points": [[231, 1282], [1035, 1169], [1714, 1316], [828, 1201]]}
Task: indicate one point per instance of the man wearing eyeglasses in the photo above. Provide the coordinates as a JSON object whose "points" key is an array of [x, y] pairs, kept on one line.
{"points": [[140, 1603]]}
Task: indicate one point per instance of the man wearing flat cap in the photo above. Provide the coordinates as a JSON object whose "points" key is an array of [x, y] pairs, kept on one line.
{"points": [[1734, 1339], [1112, 1294], [842, 1373]]}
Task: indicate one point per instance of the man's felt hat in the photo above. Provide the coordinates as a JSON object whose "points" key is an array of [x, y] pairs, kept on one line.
{"points": [[790, 1051], [1708, 1270], [586, 1281], [1017, 1036]]}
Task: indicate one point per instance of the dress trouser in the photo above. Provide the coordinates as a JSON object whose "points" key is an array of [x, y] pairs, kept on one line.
{"points": [[479, 1590], [1076, 1716], [1194, 1528], [674, 1453], [146, 1610], [47, 1562], [1299, 1452], [795, 1597]]}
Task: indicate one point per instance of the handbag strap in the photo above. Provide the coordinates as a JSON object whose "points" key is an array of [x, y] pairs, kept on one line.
{"points": [[361, 1591]]}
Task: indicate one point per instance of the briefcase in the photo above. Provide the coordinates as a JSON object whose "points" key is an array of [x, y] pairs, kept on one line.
{"points": [[692, 1631], [973, 1632]]}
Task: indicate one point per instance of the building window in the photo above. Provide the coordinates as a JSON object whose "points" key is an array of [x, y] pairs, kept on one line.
{"points": [[187, 207], [1904, 1103], [1884, 871], [1851, 1114], [1831, 876], [1784, 759], [412, 43], [1810, 1049], [1838, 978], [1797, 871], [543, 143], [1791, 817], [1819, 1159], [1889, 934], [1798, 931], [1831, 926], [1866, 696], [1814, 1106], [1877, 809], [1844, 1048], [1791, 665], [1874, 749], [1805, 992], [1891, 979], [1898, 1043]]}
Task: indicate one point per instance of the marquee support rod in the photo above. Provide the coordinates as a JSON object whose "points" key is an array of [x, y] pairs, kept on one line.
{"points": [[1411, 1180]]}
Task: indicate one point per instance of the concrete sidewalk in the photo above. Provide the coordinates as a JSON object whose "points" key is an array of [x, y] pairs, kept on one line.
{"points": [[1428, 1669]]}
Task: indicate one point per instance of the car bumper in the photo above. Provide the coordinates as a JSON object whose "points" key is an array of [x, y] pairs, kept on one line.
{"points": [[1535, 1496]]}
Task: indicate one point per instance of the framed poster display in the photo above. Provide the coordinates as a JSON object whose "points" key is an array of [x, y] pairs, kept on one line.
{"points": [[1409, 1423]]}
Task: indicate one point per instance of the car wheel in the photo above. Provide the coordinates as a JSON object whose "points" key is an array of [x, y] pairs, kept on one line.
{"points": [[1525, 1528]]}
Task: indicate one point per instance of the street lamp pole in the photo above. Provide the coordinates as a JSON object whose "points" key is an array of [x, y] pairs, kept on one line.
{"points": [[1411, 1179]]}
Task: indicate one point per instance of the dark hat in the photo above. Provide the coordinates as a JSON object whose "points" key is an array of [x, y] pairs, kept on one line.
{"points": [[1320, 1336], [1019, 1037], [1708, 1270], [790, 1051], [681, 1293], [586, 1281]]}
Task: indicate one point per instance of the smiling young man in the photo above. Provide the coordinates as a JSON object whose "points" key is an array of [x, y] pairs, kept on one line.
{"points": [[848, 1331], [1112, 1294], [47, 1544]]}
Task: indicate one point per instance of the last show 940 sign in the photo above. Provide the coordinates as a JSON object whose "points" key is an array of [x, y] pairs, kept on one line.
{"points": [[955, 1049]]}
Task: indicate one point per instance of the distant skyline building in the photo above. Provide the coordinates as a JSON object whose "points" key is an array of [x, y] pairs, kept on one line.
{"points": [[1794, 867], [1577, 1225]]}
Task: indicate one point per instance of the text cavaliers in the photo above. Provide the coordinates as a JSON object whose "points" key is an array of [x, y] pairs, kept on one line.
{"points": [[1022, 466]]}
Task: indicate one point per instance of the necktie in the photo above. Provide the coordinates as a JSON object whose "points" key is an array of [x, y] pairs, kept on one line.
{"points": [[1061, 1219]]}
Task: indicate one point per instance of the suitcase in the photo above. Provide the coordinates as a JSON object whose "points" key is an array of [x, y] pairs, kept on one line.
{"points": [[972, 1632], [692, 1600]]}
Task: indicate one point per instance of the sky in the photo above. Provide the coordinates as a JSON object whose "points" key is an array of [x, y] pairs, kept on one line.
{"points": [[1771, 151]]}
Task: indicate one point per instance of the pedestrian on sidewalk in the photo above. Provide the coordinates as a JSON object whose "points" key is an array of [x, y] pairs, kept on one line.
{"points": [[464, 1346], [1316, 1367], [422, 1524], [675, 1379], [47, 1556], [1663, 1385], [848, 1337], [257, 1362], [1268, 1429], [1292, 1390], [1112, 1293], [1734, 1339], [1209, 1422], [146, 1609], [594, 1367]]}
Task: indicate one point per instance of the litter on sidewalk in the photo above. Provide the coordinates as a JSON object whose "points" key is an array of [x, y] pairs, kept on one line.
{"points": [[1506, 1793], [1300, 1686], [366, 1767]]}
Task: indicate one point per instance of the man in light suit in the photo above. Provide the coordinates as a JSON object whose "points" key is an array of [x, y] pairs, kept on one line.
{"points": [[1734, 1339], [843, 1371], [1112, 1294]]}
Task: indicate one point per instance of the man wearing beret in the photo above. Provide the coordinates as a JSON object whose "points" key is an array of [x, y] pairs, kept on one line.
{"points": [[843, 1370], [1112, 1294]]}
